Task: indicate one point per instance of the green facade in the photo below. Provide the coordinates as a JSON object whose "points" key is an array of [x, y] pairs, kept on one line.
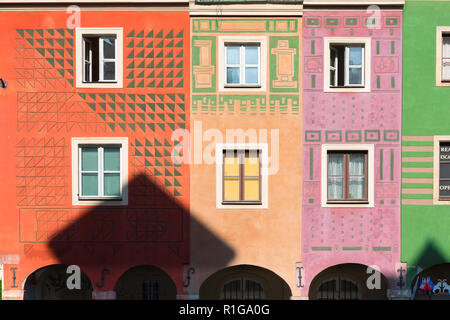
{"points": [[426, 113]]}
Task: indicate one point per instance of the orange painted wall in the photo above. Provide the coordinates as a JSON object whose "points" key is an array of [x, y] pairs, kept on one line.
{"points": [[268, 238], [41, 111]]}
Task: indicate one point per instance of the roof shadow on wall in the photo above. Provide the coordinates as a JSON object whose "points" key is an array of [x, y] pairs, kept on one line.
{"points": [[431, 255], [154, 229]]}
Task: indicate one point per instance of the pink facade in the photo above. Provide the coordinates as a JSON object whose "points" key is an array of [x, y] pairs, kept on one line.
{"points": [[350, 234]]}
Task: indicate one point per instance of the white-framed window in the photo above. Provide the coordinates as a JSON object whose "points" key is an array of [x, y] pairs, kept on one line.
{"points": [[242, 63], [99, 56], [347, 175], [442, 56], [346, 64], [241, 176], [99, 171]]}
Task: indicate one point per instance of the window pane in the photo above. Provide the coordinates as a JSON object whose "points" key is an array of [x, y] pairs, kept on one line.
{"points": [[335, 164], [251, 75], [335, 188], [87, 68], [109, 45], [444, 171], [89, 184], [251, 190], [112, 184], [445, 69], [231, 189], [251, 55], [231, 166], [89, 159], [357, 163], [111, 157], [444, 188], [332, 77], [233, 55], [251, 166], [446, 46], [233, 75], [109, 71], [355, 75], [355, 56], [356, 188]]}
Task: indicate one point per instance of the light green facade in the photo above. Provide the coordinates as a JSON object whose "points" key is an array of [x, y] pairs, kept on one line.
{"points": [[426, 113]]}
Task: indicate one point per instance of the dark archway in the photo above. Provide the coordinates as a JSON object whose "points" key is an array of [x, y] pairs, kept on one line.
{"points": [[245, 282], [346, 282], [432, 283], [50, 283], [145, 283]]}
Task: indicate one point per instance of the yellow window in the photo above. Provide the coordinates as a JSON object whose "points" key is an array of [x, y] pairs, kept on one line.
{"points": [[231, 166], [231, 190], [251, 167], [241, 175], [251, 190]]}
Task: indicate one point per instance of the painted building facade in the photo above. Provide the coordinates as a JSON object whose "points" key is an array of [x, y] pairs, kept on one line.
{"points": [[246, 97], [425, 220], [91, 102], [352, 67]]}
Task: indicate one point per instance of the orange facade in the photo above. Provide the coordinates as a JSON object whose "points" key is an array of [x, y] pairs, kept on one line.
{"points": [[43, 110], [257, 241]]}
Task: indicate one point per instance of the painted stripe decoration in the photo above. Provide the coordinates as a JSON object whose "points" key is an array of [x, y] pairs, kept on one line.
{"points": [[381, 164], [417, 170], [321, 248]]}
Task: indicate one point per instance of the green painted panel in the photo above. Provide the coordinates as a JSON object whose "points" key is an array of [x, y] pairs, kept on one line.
{"points": [[293, 44], [423, 102], [196, 62]]}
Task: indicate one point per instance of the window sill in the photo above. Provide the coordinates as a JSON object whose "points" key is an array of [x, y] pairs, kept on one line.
{"points": [[243, 86], [99, 82], [347, 89], [442, 83], [250, 203], [348, 202], [100, 85], [99, 199]]}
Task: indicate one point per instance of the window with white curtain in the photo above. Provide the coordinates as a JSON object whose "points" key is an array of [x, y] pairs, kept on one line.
{"points": [[446, 57], [242, 63], [347, 176]]}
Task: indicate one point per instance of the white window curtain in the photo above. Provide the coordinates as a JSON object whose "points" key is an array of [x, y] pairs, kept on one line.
{"points": [[356, 176], [446, 57], [335, 176]]}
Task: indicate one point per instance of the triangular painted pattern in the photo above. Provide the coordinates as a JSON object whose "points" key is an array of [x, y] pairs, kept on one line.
{"points": [[154, 60]]}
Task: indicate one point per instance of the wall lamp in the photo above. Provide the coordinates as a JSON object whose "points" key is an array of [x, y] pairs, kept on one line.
{"points": [[3, 83]]}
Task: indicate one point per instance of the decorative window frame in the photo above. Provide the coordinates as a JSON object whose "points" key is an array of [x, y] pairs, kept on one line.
{"points": [[263, 148], [76, 142], [369, 148], [79, 32], [263, 70], [367, 63], [436, 168], [439, 32]]}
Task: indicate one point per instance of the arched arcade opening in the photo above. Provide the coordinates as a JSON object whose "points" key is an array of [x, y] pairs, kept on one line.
{"points": [[244, 282]]}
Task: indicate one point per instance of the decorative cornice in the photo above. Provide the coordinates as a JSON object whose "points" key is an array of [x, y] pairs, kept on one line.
{"points": [[247, 9]]}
